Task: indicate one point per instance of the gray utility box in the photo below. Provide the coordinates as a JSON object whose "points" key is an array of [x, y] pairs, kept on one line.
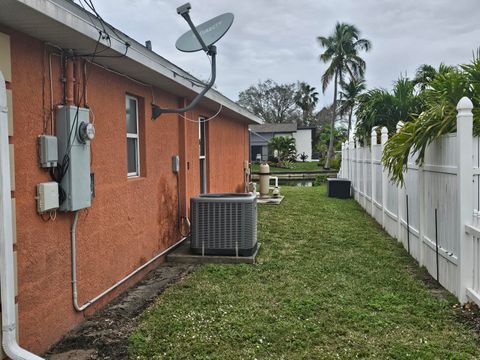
{"points": [[76, 182], [224, 224], [338, 188], [48, 151]]}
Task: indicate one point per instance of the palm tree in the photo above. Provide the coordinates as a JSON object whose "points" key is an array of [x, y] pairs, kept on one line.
{"points": [[427, 73], [341, 52], [348, 99], [437, 118], [379, 107], [424, 74], [285, 147], [306, 98]]}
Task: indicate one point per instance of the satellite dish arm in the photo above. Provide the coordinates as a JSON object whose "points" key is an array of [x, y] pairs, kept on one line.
{"points": [[209, 50], [183, 10], [157, 111]]}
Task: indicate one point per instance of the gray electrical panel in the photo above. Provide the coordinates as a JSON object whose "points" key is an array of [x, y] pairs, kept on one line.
{"points": [[74, 133], [48, 151]]}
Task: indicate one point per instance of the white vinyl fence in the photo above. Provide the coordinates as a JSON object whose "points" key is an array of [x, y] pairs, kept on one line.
{"points": [[436, 213]]}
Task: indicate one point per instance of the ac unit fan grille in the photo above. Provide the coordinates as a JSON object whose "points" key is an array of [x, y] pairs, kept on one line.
{"points": [[223, 227]]}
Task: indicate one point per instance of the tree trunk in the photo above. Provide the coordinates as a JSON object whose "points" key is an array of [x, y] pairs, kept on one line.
{"points": [[349, 123], [332, 124]]}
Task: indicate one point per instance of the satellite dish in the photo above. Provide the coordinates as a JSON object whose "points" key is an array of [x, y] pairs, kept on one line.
{"points": [[210, 31], [200, 37]]}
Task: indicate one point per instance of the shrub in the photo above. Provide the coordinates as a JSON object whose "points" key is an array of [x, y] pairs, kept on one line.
{"points": [[335, 163], [303, 156], [320, 180]]}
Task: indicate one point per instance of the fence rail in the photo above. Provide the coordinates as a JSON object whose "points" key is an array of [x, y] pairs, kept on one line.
{"points": [[436, 213]]}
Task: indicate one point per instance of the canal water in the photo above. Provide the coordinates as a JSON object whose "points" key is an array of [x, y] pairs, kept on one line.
{"points": [[295, 182]]}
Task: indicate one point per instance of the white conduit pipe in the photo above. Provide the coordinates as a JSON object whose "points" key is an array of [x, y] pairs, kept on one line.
{"points": [[276, 180], [80, 308], [7, 277]]}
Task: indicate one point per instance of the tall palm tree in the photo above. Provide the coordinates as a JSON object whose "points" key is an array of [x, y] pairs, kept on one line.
{"points": [[341, 52], [348, 99], [306, 98], [425, 74]]}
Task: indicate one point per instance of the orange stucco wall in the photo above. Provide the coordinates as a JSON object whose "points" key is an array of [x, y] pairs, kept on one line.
{"points": [[130, 220]]}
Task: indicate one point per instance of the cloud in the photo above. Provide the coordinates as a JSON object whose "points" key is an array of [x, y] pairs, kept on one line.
{"points": [[277, 39]]}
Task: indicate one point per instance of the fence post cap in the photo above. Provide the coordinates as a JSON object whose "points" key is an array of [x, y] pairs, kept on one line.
{"points": [[400, 125], [384, 131], [464, 104]]}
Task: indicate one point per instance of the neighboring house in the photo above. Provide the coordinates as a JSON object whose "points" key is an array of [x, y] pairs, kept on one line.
{"points": [[260, 135], [51, 55]]}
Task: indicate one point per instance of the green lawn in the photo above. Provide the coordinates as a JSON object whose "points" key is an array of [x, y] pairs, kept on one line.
{"points": [[329, 284], [297, 167]]}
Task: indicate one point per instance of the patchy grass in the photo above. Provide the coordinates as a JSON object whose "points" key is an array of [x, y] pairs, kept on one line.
{"points": [[329, 284], [296, 167]]}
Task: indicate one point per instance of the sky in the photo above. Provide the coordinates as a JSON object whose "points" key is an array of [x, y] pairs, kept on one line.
{"points": [[277, 39]]}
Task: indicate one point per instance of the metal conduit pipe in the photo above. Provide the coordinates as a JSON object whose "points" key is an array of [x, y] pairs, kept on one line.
{"points": [[7, 277], [81, 308]]}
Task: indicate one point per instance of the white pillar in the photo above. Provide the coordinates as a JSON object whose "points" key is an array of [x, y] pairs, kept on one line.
{"points": [[351, 148], [7, 267], [400, 199], [421, 187], [465, 193], [373, 143], [364, 174], [384, 139], [357, 169]]}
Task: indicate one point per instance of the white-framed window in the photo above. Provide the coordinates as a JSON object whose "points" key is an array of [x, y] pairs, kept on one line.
{"points": [[202, 154], [133, 138]]}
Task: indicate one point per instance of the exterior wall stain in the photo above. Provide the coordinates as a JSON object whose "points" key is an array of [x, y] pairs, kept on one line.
{"points": [[131, 220]]}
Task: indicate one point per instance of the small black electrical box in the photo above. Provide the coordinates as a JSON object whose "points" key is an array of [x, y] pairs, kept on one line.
{"points": [[338, 188]]}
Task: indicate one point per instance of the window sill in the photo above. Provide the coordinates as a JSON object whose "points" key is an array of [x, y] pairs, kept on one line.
{"points": [[135, 178]]}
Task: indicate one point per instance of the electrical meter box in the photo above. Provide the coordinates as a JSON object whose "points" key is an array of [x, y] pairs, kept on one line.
{"points": [[74, 133]]}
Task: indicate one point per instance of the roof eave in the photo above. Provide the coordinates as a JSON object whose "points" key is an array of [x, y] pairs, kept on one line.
{"points": [[63, 17]]}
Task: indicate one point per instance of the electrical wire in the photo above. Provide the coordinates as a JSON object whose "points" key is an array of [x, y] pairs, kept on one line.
{"points": [[204, 120], [103, 32], [44, 114], [51, 91], [260, 136], [105, 35]]}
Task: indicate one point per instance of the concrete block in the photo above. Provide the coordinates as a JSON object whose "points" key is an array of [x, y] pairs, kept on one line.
{"points": [[15, 263], [12, 166], [10, 112], [14, 221], [5, 57]]}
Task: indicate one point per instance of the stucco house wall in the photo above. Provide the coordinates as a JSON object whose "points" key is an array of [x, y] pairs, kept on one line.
{"points": [[303, 142], [260, 135], [131, 219]]}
